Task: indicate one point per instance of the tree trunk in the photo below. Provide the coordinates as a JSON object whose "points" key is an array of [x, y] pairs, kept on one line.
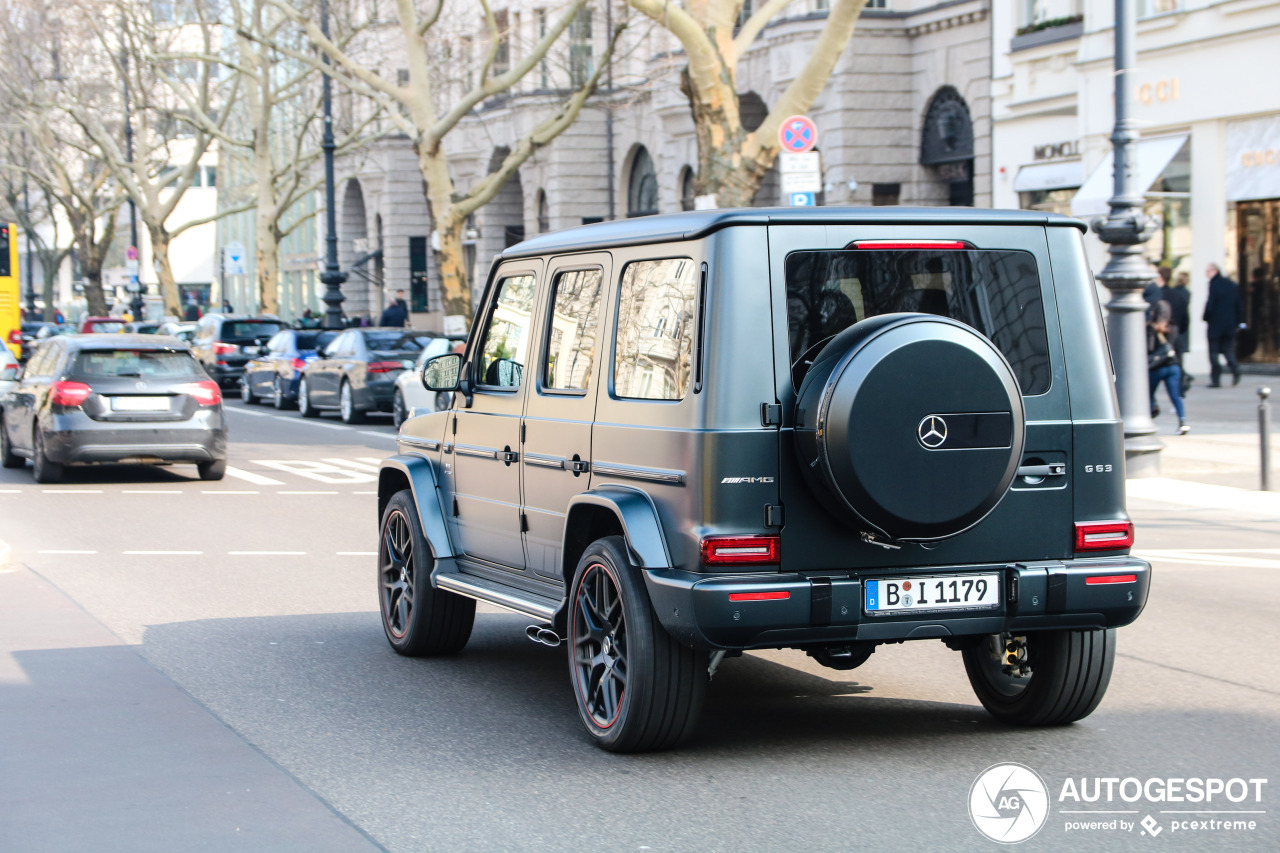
{"points": [[267, 240], [455, 278], [95, 299], [49, 268], [722, 168], [164, 271]]}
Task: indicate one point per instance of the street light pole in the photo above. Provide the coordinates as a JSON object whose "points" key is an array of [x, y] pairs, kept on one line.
{"points": [[1127, 272], [332, 277], [26, 212], [137, 304]]}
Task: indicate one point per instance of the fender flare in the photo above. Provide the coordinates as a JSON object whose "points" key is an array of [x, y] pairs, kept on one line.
{"points": [[638, 516], [421, 476]]}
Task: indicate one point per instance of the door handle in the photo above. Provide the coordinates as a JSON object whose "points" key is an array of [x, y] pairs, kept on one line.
{"points": [[1056, 469]]}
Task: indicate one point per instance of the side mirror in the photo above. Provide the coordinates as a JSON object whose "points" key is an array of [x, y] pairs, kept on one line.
{"points": [[442, 373]]}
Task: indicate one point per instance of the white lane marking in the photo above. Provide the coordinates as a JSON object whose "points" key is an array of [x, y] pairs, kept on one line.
{"points": [[10, 491], [250, 477], [357, 553], [245, 412], [72, 491], [359, 466], [372, 460], [318, 471], [151, 491], [267, 553], [56, 551], [395, 437], [230, 491], [304, 492], [164, 553], [307, 421], [364, 493]]}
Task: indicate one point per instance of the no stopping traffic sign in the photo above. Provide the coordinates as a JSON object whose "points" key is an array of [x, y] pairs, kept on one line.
{"points": [[798, 134]]}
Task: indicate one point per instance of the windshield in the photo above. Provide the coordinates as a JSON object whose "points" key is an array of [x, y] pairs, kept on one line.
{"points": [[239, 331], [143, 364], [105, 326], [995, 292]]}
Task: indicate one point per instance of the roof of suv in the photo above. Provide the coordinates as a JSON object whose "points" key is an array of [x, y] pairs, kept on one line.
{"points": [[694, 224]]}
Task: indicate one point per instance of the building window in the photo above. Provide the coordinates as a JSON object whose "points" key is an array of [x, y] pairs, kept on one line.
{"points": [[688, 194], [642, 188], [502, 34], [1150, 8], [883, 195], [540, 19], [402, 77], [580, 58], [544, 213]]}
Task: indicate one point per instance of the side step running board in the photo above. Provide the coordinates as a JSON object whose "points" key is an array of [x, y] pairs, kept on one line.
{"points": [[482, 589]]}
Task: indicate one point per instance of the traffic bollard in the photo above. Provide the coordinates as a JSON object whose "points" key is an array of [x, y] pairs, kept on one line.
{"points": [[1264, 433]]}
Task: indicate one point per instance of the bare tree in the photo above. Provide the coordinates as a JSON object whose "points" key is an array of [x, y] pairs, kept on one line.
{"points": [[731, 160], [427, 111], [39, 220]]}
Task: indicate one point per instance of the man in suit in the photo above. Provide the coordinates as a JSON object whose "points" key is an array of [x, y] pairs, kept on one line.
{"points": [[1224, 314]]}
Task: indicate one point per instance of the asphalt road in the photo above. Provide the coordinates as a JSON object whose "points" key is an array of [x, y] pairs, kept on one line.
{"points": [[248, 610]]}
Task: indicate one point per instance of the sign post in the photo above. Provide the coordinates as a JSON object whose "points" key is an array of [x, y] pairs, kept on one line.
{"points": [[798, 164]]}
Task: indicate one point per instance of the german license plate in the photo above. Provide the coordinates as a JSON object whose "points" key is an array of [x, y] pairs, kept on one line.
{"points": [[139, 404], [944, 592]]}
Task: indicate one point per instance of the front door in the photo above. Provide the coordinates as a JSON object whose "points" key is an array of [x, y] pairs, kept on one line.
{"points": [[486, 436], [562, 404]]}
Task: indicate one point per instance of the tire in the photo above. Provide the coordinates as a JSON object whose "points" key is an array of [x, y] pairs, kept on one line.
{"points": [[277, 395], [8, 459], [44, 470], [398, 413], [246, 392], [304, 401], [1070, 671], [418, 619], [347, 405], [655, 705], [215, 470]]}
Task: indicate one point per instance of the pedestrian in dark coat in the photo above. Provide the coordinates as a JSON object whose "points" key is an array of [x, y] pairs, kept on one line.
{"points": [[1224, 314], [1178, 295], [395, 314]]}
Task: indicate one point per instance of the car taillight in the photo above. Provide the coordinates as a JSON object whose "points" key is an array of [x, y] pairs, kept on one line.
{"points": [[741, 550], [8, 373], [70, 394], [206, 393], [909, 244], [224, 349], [383, 366], [1104, 535], [299, 363], [15, 336]]}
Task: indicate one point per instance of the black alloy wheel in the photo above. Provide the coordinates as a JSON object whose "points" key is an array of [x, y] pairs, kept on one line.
{"points": [[637, 689], [347, 405], [277, 394], [304, 401], [246, 391], [1059, 676], [417, 618], [44, 470], [8, 459], [398, 413]]}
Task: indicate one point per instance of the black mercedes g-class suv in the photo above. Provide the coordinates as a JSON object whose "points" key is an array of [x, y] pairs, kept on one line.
{"points": [[680, 437]]}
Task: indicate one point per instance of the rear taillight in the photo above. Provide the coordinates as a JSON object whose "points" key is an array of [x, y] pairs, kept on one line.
{"points": [[298, 364], [741, 550], [224, 349], [206, 393], [909, 244], [8, 373], [1104, 535], [15, 336], [384, 366], [69, 394]]}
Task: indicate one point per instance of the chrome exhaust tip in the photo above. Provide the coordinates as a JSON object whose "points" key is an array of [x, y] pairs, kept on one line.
{"points": [[543, 635]]}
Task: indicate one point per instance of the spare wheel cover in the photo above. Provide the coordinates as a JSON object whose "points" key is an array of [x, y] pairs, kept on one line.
{"points": [[914, 424]]}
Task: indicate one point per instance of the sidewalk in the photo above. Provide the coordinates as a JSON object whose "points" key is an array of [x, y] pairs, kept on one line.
{"points": [[1222, 448]]}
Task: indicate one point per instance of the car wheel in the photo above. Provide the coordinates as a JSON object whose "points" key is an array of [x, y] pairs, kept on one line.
{"points": [[277, 394], [398, 413], [637, 689], [304, 401], [417, 618], [8, 458], [1045, 678], [444, 400], [45, 471], [246, 392], [214, 470], [347, 405]]}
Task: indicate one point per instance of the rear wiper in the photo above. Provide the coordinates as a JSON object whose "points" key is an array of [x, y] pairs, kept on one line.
{"points": [[129, 373]]}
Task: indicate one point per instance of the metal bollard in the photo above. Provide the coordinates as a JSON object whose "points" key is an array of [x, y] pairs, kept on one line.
{"points": [[1264, 433]]}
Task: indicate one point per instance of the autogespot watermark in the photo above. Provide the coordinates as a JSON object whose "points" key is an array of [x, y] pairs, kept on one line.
{"points": [[1010, 803]]}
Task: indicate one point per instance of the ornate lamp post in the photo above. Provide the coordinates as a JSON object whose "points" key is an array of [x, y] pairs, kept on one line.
{"points": [[1127, 272], [332, 277]]}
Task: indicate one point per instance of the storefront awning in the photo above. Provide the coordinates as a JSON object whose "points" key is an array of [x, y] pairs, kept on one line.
{"points": [[1151, 158], [1066, 174]]}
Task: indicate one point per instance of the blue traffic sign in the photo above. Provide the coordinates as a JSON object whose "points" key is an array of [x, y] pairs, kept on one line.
{"points": [[802, 199]]}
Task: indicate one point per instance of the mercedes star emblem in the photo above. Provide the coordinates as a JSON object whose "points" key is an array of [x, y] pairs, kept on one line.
{"points": [[932, 432]]}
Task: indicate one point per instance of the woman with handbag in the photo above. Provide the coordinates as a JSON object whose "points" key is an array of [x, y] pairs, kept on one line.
{"points": [[1162, 362]]}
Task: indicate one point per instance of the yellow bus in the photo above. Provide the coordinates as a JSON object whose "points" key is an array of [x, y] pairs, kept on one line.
{"points": [[10, 297]]}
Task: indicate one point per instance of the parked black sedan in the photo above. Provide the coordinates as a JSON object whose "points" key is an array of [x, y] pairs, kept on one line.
{"points": [[86, 399], [356, 373], [274, 373]]}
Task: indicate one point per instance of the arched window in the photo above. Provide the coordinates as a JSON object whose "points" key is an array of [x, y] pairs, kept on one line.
{"points": [[688, 195], [751, 111], [642, 188], [544, 214]]}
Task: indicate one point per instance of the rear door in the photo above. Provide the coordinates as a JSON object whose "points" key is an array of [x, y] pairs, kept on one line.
{"points": [[562, 406], [1001, 283]]}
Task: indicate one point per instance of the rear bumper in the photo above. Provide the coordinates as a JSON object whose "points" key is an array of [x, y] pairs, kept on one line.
{"points": [[695, 608], [77, 439], [224, 373]]}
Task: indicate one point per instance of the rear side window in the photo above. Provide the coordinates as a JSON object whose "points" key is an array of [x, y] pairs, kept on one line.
{"points": [[237, 331], [311, 340], [996, 292], [654, 336], [143, 364], [397, 341], [575, 321]]}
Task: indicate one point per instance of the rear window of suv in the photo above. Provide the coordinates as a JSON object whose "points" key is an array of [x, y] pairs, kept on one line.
{"points": [[996, 292], [242, 331], [143, 364]]}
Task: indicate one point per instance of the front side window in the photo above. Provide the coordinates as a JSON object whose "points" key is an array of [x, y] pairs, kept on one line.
{"points": [[506, 338], [656, 311], [575, 319], [994, 291]]}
